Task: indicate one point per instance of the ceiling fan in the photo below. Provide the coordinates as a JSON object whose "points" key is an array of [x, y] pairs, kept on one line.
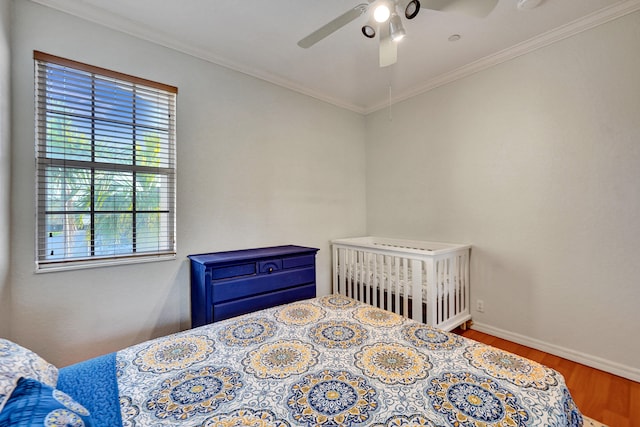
{"points": [[387, 24]]}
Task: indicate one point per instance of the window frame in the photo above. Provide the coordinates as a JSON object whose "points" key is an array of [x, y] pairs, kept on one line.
{"points": [[43, 161]]}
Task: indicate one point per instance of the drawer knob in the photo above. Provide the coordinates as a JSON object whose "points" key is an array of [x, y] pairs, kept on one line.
{"points": [[270, 270]]}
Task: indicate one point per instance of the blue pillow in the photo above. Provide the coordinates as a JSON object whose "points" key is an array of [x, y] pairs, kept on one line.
{"points": [[17, 361], [33, 403]]}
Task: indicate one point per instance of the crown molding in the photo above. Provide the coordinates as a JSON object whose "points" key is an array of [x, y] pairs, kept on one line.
{"points": [[545, 39], [140, 31], [135, 29]]}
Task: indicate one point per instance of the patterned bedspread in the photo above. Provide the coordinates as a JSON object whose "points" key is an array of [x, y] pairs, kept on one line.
{"points": [[332, 361]]}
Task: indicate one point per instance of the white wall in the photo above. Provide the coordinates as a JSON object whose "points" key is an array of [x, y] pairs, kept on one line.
{"points": [[258, 165], [5, 167], [536, 162]]}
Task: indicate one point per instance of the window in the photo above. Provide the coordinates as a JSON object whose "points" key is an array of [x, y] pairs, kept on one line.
{"points": [[105, 166]]}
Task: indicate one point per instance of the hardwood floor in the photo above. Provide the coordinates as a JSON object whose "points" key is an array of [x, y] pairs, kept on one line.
{"points": [[610, 399]]}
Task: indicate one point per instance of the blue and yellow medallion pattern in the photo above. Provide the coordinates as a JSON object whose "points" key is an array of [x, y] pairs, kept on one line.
{"points": [[280, 359], [468, 400], [376, 317], [332, 398], [174, 353], [513, 368], [338, 334], [194, 392], [242, 333], [337, 302], [300, 314], [393, 363], [424, 336], [245, 417], [329, 362]]}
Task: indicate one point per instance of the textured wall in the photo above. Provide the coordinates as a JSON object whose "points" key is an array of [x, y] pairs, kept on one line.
{"points": [[258, 165], [5, 177], [536, 162]]}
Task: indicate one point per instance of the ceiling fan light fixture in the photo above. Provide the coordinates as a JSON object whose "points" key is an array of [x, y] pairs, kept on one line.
{"points": [[396, 30], [381, 13], [368, 31], [412, 9]]}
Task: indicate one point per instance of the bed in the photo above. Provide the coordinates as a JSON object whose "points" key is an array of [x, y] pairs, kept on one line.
{"points": [[390, 273], [327, 361]]}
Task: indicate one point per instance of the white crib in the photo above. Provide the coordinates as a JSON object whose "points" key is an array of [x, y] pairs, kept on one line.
{"points": [[388, 273]]}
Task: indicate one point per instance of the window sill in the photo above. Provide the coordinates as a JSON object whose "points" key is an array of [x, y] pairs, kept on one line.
{"points": [[52, 268]]}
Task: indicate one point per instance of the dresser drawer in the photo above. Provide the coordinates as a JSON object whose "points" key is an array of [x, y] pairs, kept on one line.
{"points": [[258, 302], [231, 271], [232, 289], [268, 267], [230, 283], [299, 261]]}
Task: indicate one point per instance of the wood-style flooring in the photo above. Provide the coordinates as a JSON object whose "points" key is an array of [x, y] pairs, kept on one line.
{"points": [[610, 399]]}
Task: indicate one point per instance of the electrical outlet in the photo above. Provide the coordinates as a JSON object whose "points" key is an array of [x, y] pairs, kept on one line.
{"points": [[480, 306]]}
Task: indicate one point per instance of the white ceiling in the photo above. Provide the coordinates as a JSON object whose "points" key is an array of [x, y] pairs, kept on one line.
{"points": [[259, 37]]}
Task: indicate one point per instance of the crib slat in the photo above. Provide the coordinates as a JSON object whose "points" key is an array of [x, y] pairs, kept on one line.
{"points": [[366, 277], [456, 284], [397, 308], [351, 272], [405, 275], [451, 292], [337, 277], [375, 283], [361, 260], [432, 293], [416, 292], [438, 291], [459, 284], [388, 280], [466, 282], [370, 277], [344, 273], [444, 288]]}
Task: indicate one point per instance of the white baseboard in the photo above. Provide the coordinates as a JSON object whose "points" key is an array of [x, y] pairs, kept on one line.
{"points": [[593, 361]]}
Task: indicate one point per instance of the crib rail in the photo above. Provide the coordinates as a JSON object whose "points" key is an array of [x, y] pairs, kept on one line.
{"points": [[425, 281]]}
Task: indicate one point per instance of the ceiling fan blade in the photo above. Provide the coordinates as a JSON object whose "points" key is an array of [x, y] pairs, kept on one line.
{"points": [[388, 48], [479, 8], [333, 26]]}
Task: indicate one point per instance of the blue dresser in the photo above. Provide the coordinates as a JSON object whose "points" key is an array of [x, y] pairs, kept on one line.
{"points": [[228, 284]]}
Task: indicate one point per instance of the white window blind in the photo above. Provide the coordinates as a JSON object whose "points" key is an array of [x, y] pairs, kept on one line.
{"points": [[105, 165]]}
